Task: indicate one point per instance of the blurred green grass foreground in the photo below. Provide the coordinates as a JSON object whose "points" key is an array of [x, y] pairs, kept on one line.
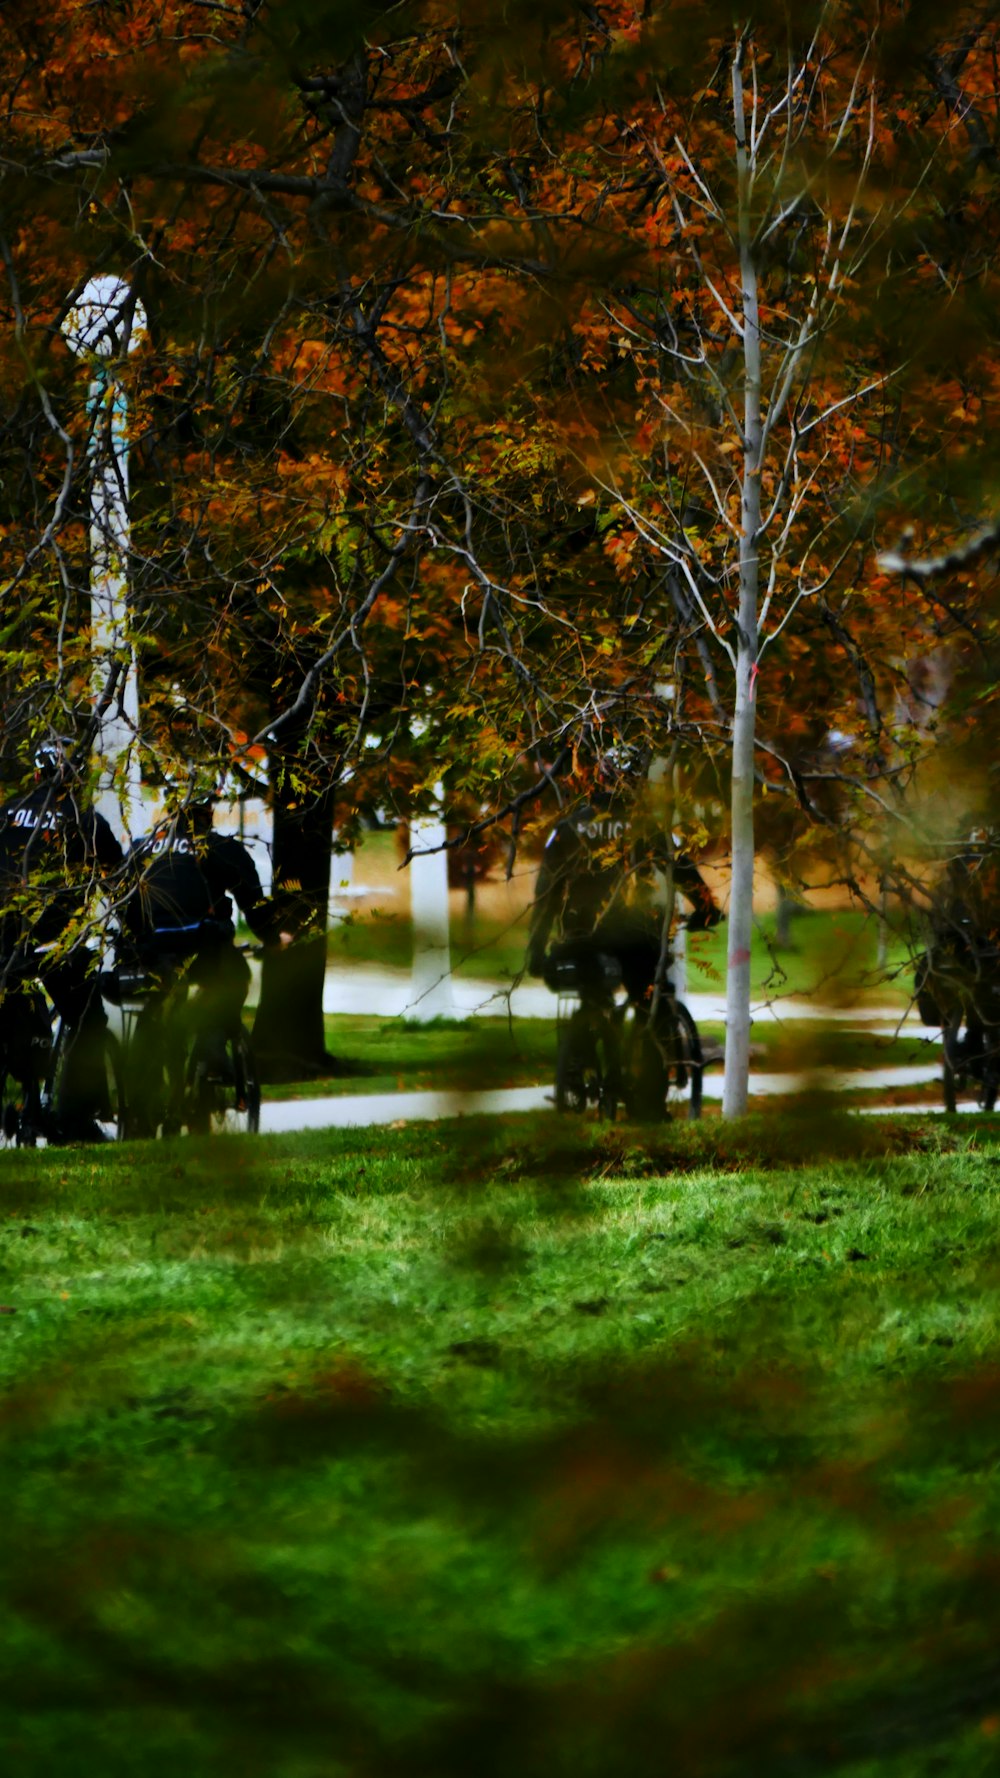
{"points": [[449, 1450]]}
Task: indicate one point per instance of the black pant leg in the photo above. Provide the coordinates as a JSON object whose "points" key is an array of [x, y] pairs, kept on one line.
{"points": [[222, 977], [73, 989]]}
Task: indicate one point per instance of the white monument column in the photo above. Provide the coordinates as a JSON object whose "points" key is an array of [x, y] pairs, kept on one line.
{"points": [[103, 327], [341, 881], [430, 984], [677, 974]]}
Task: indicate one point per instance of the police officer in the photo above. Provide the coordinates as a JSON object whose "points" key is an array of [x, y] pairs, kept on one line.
{"points": [[596, 884], [183, 881], [960, 976], [54, 848]]}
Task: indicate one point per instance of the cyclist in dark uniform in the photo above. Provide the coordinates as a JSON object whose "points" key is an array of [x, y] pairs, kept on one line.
{"points": [[595, 889], [184, 879], [54, 850], [959, 978]]}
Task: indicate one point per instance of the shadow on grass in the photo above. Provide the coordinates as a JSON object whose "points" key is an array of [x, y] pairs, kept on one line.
{"points": [[367, 1456], [856, 1623]]}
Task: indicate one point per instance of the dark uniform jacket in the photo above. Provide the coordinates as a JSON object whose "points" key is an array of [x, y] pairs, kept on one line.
{"points": [[959, 976], [183, 877], [50, 847], [594, 871]]}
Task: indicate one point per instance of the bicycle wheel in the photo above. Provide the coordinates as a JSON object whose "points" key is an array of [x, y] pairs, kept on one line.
{"points": [[152, 1104], [17, 1126], [644, 1069], [662, 1071], [609, 1087], [24, 1060], [108, 1113], [112, 1114], [224, 1092], [206, 1105], [988, 1071], [571, 1056], [686, 1072], [243, 1113], [950, 1075]]}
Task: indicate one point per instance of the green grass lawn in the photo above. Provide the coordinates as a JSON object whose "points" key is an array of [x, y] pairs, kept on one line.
{"points": [[378, 1055], [799, 1044], [833, 959], [548, 1451], [485, 947]]}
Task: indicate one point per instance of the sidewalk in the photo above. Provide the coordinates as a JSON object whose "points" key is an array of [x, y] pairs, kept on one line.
{"points": [[355, 1110], [387, 993], [367, 989]]}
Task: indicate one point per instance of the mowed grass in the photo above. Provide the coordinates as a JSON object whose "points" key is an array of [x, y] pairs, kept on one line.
{"points": [[833, 959], [484, 946], [378, 1055], [833, 956], [548, 1450]]}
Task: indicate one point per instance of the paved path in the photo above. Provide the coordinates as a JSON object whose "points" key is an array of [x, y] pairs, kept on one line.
{"points": [[355, 1110], [367, 988], [387, 993]]}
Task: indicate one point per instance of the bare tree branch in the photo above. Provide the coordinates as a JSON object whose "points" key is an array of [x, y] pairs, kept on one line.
{"points": [[933, 567]]}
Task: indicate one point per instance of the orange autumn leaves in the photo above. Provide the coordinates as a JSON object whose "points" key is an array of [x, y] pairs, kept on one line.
{"points": [[527, 287]]}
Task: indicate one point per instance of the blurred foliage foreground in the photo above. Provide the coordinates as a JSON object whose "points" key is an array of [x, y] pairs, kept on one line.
{"points": [[443, 1451]]}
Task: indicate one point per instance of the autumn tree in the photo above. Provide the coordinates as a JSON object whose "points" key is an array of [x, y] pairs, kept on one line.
{"points": [[503, 371], [320, 413], [785, 172]]}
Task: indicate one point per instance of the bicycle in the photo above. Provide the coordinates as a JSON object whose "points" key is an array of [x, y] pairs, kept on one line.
{"points": [[32, 1064], [588, 1031], [181, 1077], [955, 988], [610, 1052], [974, 1057]]}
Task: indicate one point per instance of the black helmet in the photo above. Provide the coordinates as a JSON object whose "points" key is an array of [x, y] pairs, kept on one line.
{"points": [[199, 813], [622, 764], [53, 759]]}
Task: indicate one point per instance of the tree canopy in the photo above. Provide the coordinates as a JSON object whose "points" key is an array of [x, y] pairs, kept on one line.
{"points": [[550, 375]]}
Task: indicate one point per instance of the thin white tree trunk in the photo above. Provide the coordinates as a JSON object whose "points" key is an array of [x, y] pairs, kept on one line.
{"points": [[737, 1068]]}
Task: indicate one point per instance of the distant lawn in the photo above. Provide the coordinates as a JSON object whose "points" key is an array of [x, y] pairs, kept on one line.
{"points": [[379, 1055], [833, 959], [803, 1044], [481, 947], [548, 1451]]}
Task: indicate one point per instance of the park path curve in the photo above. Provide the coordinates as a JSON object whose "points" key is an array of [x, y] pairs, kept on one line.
{"points": [[367, 988], [371, 989], [356, 1110]]}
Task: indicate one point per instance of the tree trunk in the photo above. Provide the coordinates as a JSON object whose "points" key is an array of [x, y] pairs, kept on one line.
{"points": [[882, 954], [288, 1033], [786, 908], [735, 1085]]}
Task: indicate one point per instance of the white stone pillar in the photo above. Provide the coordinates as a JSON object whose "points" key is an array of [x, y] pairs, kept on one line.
{"points": [[341, 883], [103, 328], [677, 974], [430, 985]]}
